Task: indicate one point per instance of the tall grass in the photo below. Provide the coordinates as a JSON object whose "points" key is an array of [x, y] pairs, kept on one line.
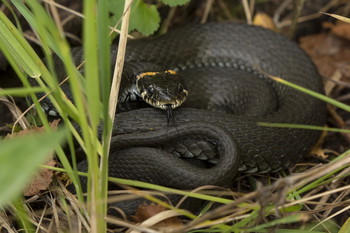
{"points": [[90, 90]]}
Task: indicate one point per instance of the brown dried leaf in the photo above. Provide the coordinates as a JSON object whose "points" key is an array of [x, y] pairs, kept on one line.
{"points": [[44, 178], [328, 52], [53, 125], [264, 20], [145, 211], [339, 29], [41, 181]]}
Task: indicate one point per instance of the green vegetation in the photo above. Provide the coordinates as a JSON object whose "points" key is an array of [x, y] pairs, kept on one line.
{"points": [[20, 157]]}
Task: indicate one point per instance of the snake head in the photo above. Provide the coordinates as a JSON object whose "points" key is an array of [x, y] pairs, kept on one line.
{"points": [[162, 89]]}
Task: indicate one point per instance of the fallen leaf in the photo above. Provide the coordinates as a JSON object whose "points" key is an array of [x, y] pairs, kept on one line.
{"points": [[329, 53], [264, 20], [41, 181], [339, 29], [44, 178], [53, 125], [145, 211]]}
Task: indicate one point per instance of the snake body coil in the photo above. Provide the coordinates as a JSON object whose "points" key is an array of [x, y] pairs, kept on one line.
{"points": [[228, 96]]}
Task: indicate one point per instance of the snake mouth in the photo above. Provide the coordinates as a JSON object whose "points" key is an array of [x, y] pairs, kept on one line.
{"points": [[164, 105]]}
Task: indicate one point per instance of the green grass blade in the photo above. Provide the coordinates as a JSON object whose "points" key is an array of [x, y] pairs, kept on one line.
{"points": [[91, 65], [145, 185], [22, 216], [11, 40], [104, 64], [285, 220], [295, 231], [313, 93], [20, 91], [19, 159], [41, 23], [246, 221], [346, 227], [295, 126], [92, 83]]}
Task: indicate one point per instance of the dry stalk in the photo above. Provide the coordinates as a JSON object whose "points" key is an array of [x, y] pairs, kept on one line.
{"points": [[208, 7], [247, 11]]}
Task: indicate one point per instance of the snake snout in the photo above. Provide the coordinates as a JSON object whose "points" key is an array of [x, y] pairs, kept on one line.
{"points": [[162, 89]]}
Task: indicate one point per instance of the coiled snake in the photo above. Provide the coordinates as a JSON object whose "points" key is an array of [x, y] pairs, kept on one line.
{"points": [[228, 96]]}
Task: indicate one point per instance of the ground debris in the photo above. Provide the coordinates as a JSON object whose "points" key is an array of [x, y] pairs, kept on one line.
{"points": [[330, 50], [44, 178], [146, 211]]}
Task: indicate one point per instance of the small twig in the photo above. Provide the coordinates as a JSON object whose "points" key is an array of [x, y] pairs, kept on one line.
{"points": [[50, 2], [119, 63], [225, 9], [75, 13], [165, 25], [337, 200], [28, 35], [308, 17], [331, 83], [69, 17], [340, 83], [73, 37], [16, 112], [330, 217], [252, 7], [120, 222], [302, 179], [208, 7], [318, 195], [297, 7], [344, 97], [247, 12], [279, 11], [339, 122], [56, 16], [42, 98], [220, 211]]}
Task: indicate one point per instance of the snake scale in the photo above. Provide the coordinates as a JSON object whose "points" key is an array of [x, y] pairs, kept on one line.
{"points": [[228, 95]]}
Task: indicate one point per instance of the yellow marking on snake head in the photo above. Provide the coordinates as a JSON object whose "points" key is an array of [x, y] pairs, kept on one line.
{"points": [[141, 75], [170, 72]]}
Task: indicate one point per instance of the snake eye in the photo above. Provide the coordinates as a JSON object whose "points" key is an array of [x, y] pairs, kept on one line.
{"points": [[150, 90]]}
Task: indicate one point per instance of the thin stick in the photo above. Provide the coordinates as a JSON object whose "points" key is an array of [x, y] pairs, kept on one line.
{"points": [[247, 12], [165, 25], [307, 17], [119, 63], [73, 12], [56, 17], [298, 6], [208, 7]]}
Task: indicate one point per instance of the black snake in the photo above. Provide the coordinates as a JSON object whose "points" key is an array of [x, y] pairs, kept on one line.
{"points": [[228, 96]]}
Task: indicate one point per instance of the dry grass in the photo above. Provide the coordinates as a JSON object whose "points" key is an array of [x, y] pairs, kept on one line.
{"points": [[59, 211]]}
